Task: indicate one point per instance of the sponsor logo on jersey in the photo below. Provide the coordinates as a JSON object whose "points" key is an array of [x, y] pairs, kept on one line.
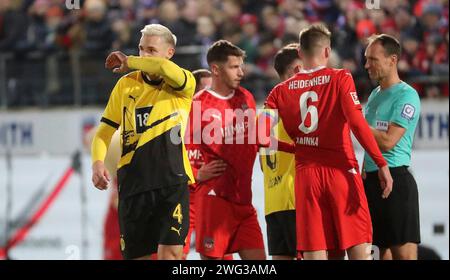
{"points": [[194, 154], [273, 182], [408, 111], [228, 132]]}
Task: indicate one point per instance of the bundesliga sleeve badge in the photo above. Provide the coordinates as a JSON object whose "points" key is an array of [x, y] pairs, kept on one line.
{"points": [[355, 97]]}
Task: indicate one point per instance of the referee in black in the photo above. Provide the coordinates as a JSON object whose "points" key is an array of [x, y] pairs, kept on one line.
{"points": [[392, 111]]}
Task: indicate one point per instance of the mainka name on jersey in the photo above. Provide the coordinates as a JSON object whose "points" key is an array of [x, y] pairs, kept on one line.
{"points": [[308, 141], [316, 81]]}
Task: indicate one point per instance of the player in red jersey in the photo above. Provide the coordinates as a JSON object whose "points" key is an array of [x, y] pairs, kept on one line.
{"points": [[225, 221], [202, 171], [319, 106]]}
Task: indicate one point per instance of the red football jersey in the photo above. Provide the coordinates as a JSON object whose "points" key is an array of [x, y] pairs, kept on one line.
{"points": [[224, 134], [195, 157], [318, 108]]}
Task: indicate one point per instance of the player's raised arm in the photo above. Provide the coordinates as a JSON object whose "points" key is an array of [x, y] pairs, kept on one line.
{"points": [[156, 48], [177, 77]]}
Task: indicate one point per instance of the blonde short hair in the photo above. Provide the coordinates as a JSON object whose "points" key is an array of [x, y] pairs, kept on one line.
{"points": [[161, 31]]}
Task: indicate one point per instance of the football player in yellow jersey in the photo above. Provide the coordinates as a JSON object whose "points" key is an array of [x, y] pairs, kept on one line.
{"points": [[151, 107], [279, 175]]}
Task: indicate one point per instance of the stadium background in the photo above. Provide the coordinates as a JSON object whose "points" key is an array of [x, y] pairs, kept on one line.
{"points": [[53, 87]]}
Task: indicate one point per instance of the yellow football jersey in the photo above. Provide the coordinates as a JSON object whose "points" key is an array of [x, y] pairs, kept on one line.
{"points": [[151, 115], [279, 176]]}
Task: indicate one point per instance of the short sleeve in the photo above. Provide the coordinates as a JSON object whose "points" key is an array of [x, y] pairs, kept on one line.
{"points": [[406, 108]]}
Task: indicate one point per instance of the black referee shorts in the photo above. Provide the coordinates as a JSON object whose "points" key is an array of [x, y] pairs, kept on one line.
{"points": [[152, 218], [281, 236], [395, 220]]}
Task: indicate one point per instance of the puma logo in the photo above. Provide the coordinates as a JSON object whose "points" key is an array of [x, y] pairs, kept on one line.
{"points": [[132, 97], [176, 230]]}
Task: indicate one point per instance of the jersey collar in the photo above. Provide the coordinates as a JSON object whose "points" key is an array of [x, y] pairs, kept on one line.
{"points": [[215, 94], [309, 71], [150, 82]]}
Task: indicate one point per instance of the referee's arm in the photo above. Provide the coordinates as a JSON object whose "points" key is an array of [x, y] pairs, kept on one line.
{"points": [[387, 140]]}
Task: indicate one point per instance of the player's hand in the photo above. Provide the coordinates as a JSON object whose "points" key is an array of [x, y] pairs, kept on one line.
{"points": [[117, 61], [100, 175], [386, 181], [212, 169]]}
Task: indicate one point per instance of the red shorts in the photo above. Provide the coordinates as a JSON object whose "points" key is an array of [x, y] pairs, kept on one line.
{"points": [[223, 227], [332, 210], [187, 245]]}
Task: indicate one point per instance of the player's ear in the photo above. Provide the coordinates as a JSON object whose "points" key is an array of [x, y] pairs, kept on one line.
{"points": [[394, 59], [215, 69], [327, 52], [300, 53], [170, 52]]}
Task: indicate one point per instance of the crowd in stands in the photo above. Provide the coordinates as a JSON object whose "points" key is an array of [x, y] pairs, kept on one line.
{"points": [[260, 27]]}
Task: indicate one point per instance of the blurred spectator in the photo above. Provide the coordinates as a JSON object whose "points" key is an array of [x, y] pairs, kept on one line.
{"points": [[147, 11], [232, 32], [365, 28], [267, 51], [187, 24], [231, 10], [406, 65], [45, 20], [206, 36], [125, 36], [432, 21], [272, 22], [98, 34], [259, 27], [250, 36], [12, 26], [324, 10], [169, 15], [206, 31], [406, 23], [125, 10], [291, 31], [431, 55]]}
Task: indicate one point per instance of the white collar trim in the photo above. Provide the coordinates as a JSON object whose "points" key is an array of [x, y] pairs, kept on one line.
{"points": [[215, 94], [309, 71]]}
